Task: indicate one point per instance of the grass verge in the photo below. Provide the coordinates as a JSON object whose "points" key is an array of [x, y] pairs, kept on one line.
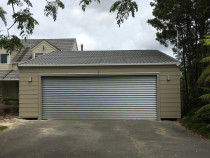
{"points": [[2, 128], [197, 126]]}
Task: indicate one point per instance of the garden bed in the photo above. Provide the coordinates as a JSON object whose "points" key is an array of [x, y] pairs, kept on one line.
{"points": [[196, 126]]}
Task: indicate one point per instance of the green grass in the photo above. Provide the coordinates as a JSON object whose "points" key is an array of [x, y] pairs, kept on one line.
{"points": [[2, 128], [196, 125]]}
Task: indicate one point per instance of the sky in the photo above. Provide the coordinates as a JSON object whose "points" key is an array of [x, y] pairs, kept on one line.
{"points": [[95, 28]]}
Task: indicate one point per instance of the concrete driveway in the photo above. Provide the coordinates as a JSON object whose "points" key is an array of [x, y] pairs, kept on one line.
{"points": [[101, 139]]}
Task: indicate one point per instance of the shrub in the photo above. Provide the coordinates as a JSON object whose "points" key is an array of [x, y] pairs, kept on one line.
{"points": [[196, 125], [203, 113], [11, 99]]}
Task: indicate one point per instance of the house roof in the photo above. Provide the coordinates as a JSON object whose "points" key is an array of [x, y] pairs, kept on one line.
{"points": [[65, 44], [102, 58], [9, 75], [26, 53]]}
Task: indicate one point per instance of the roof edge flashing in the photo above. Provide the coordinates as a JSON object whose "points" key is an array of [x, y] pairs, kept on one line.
{"points": [[75, 65]]}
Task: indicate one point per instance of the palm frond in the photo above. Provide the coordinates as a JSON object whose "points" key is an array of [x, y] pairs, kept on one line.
{"points": [[205, 97], [205, 88], [207, 78], [205, 60], [203, 113], [204, 74], [207, 40]]}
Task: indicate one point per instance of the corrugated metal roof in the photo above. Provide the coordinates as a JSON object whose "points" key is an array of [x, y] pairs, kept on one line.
{"points": [[97, 58], [26, 53], [8, 75]]}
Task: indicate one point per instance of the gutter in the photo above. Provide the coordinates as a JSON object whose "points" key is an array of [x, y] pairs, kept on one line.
{"points": [[75, 65]]}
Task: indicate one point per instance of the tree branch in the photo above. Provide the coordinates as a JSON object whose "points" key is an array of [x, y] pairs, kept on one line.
{"points": [[13, 8], [11, 26]]}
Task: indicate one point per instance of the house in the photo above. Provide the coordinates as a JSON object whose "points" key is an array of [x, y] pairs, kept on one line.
{"points": [[9, 74], [123, 84]]}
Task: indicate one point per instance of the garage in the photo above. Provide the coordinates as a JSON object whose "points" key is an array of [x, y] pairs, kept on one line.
{"points": [[123, 84], [122, 97]]}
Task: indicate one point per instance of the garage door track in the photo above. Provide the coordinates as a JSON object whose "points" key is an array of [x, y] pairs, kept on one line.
{"points": [[101, 139]]}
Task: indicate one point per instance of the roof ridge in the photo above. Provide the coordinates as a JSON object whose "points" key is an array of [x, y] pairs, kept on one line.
{"points": [[46, 38], [116, 50]]}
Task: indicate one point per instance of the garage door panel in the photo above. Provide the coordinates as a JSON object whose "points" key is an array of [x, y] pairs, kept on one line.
{"points": [[108, 104], [131, 97], [101, 116]]}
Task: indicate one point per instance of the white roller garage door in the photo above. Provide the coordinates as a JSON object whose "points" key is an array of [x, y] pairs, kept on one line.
{"points": [[122, 97]]}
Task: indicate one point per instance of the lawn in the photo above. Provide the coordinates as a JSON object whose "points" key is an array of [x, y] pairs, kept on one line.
{"points": [[2, 128]]}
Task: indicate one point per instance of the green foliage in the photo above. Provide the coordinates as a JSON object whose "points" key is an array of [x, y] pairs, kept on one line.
{"points": [[196, 125], [85, 3], [28, 3], [205, 60], [204, 79], [205, 97], [124, 8], [23, 19], [204, 113], [3, 128], [19, 2], [10, 99], [26, 23], [207, 40], [52, 8], [10, 43], [171, 16], [204, 75], [2, 15], [189, 21]]}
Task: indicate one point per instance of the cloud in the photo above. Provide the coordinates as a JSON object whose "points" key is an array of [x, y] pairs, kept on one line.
{"points": [[88, 42], [96, 28], [89, 21]]}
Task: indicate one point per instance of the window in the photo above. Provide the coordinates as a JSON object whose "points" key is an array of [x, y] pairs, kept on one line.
{"points": [[4, 58], [38, 54]]}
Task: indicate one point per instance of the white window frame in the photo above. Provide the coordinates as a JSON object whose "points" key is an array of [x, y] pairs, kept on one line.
{"points": [[8, 58], [38, 53]]}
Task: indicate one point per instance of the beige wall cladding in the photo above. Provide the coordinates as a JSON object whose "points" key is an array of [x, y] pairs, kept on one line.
{"points": [[43, 47], [168, 91]]}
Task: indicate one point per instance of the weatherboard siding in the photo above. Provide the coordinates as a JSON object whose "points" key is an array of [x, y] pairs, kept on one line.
{"points": [[168, 91], [8, 66], [39, 48], [47, 47]]}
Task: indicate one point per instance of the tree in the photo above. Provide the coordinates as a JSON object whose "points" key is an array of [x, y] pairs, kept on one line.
{"points": [[205, 80], [25, 22], [204, 83], [190, 18], [123, 8]]}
